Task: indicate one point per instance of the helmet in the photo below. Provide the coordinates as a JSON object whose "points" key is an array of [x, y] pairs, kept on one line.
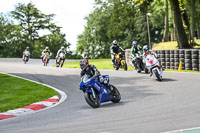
{"points": [[115, 42], [84, 64], [146, 48], [62, 47], [134, 43], [27, 47], [47, 48]]}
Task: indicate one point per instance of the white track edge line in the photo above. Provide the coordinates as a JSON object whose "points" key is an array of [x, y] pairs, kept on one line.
{"points": [[62, 94], [182, 130]]}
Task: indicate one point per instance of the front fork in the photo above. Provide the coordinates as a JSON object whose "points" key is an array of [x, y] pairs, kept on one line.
{"points": [[93, 93]]}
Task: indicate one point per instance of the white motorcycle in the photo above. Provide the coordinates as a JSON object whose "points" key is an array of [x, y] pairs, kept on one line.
{"points": [[60, 60], [26, 56], [153, 65]]}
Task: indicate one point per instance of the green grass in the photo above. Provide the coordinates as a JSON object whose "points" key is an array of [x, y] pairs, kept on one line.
{"points": [[16, 92], [99, 63], [106, 64], [171, 45]]}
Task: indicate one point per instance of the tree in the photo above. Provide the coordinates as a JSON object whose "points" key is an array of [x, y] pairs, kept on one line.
{"points": [[181, 35], [31, 21], [166, 31]]}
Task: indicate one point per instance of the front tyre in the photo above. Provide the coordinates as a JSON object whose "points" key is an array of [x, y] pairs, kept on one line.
{"points": [[116, 95], [125, 66], [93, 102], [159, 78]]}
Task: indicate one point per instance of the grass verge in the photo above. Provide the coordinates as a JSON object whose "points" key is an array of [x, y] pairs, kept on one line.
{"points": [[99, 63], [16, 92], [106, 64], [171, 45]]}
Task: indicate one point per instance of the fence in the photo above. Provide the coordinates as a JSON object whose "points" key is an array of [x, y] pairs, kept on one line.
{"points": [[170, 59]]}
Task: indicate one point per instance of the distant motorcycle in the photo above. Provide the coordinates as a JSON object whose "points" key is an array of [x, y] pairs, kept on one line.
{"points": [[95, 92], [45, 59], [139, 63], [60, 60], [120, 61], [26, 56], [154, 66]]}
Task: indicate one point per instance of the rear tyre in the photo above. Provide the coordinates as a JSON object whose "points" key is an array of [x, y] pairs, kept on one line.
{"points": [[93, 102], [116, 95]]}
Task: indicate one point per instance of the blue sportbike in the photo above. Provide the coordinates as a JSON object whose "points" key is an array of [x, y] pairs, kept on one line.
{"points": [[96, 92]]}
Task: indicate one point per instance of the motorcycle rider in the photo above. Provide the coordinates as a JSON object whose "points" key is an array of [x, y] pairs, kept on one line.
{"points": [[46, 50], [135, 49], [115, 49], [61, 50], [147, 51], [93, 72], [26, 50]]}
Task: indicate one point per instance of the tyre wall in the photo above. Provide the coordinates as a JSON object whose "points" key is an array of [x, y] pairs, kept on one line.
{"points": [[170, 59]]}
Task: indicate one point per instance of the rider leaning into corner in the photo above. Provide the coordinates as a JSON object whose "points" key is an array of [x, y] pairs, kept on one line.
{"points": [[135, 49], [115, 49], [93, 72], [28, 50], [61, 50], [147, 51], [46, 50]]}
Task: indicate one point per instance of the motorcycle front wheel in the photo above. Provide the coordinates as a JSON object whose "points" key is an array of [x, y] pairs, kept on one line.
{"points": [[125, 66], [61, 63], [91, 100], [116, 95], [159, 78]]}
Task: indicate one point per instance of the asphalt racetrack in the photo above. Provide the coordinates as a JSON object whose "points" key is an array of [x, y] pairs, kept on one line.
{"points": [[147, 105]]}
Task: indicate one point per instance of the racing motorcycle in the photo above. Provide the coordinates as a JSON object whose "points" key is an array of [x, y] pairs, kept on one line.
{"points": [[120, 61], [26, 56], [45, 58], [95, 92], [139, 63], [154, 66], [60, 60]]}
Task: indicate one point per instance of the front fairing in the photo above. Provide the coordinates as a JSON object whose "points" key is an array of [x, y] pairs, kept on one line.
{"points": [[86, 85], [151, 61]]}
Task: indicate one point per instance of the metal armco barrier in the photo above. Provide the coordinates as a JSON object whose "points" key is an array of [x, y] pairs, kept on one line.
{"points": [[170, 59]]}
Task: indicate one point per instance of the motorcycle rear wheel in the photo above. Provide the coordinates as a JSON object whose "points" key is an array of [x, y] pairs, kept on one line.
{"points": [[93, 102], [116, 95]]}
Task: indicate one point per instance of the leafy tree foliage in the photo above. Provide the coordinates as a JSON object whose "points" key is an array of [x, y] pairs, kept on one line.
{"points": [[14, 38]]}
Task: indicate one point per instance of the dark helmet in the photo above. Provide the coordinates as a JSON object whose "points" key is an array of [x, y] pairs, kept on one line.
{"points": [[84, 64], [146, 48], [115, 42], [134, 43]]}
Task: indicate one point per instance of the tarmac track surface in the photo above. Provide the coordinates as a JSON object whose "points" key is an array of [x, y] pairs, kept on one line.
{"points": [[147, 106]]}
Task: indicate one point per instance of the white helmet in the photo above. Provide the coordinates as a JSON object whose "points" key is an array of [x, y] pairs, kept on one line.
{"points": [[115, 42], [62, 47]]}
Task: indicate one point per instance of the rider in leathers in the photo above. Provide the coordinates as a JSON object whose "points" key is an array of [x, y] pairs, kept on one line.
{"points": [[61, 50], [46, 50], [115, 49], [92, 71], [136, 49], [27, 49]]}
